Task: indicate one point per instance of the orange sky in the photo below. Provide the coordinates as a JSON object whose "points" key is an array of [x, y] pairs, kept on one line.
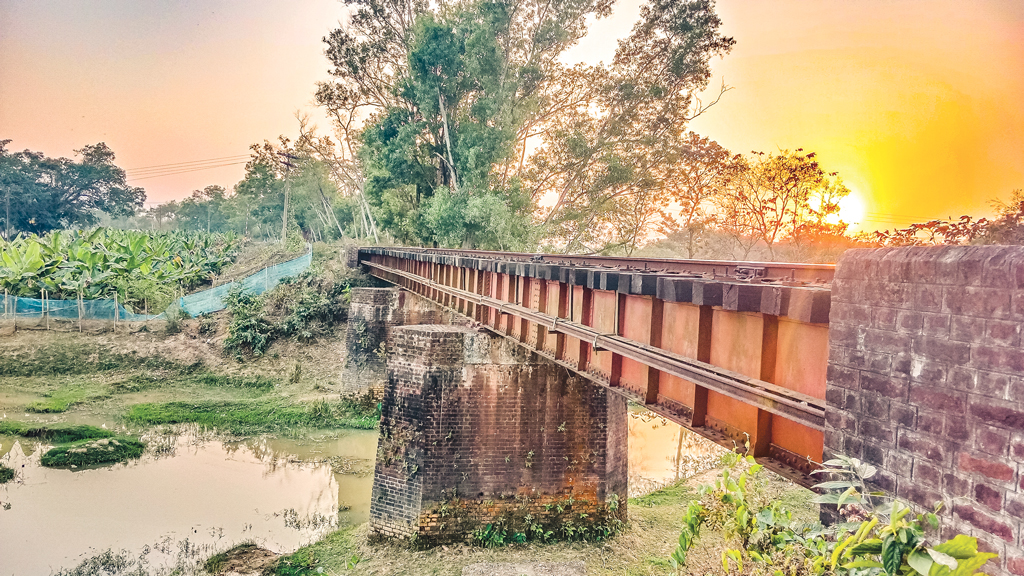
{"points": [[918, 105]]}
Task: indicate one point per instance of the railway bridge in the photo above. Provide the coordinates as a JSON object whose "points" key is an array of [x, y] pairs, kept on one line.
{"points": [[907, 358]]}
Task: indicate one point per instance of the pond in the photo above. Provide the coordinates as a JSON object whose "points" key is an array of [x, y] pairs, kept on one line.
{"points": [[193, 494]]}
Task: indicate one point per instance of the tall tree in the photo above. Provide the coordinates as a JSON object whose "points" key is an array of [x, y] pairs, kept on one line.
{"points": [[42, 193]]}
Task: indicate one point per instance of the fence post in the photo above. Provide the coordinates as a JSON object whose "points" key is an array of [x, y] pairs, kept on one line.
{"points": [[46, 309], [115, 311], [81, 305]]}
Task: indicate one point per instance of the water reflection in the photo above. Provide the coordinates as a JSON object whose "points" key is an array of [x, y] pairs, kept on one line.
{"points": [[192, 491], [662, 452]]}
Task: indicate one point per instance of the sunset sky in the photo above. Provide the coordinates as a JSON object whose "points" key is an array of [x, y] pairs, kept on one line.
{"points": [[917, 104]]}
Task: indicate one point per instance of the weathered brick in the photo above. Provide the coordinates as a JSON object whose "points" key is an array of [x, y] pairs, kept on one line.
{"points": [[884, 340], [927, 297], [997, 412], [986, 467], [1002, 333], [956, 486], [942, 349], [980, 302], [903, 414], [1015, 564], [961, 378], [928, 474], [873, 453], [1014, 505], [936, 398], [875, 406], [843, 377], [991, 384], [985, 522], [910, 321], [873, 361], [930, 422], [884, 318], [988, 496], [1017, 446], [997, 358], [919, 494], [889, 387], [967, 328], [936, 325], [921, 445], [956, 427], [994, 441]]}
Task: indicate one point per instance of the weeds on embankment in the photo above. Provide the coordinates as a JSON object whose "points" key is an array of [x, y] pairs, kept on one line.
{"points": [[6, 474], [247, 418]]}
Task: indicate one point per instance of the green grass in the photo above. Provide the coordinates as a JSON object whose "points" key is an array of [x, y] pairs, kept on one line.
{"points": [[245, 418], [62, 399], [76, 358], [6, 474], [90, 452], [59, 434]]}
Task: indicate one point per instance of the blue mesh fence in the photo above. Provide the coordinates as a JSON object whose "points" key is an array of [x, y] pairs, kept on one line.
{"points": [[203, 302]]}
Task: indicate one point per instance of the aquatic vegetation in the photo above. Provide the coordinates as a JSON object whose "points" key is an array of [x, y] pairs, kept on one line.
{"points": [[57, 434], [86, 452]]}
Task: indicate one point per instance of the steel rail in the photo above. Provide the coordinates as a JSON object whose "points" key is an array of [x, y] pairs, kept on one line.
{"points": [[800, 271], [795, 406]]}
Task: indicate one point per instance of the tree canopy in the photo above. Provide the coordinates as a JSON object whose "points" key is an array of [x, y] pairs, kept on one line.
{"points": [[42, 193]]}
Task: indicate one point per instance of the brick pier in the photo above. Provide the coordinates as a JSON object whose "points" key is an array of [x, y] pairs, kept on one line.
{"points": [[475, 431]]}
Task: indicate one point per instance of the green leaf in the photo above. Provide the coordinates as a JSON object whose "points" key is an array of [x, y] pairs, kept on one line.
{"points": [[920, 561], [835, 485], [941, 558], [892, 555], [862, 564], [960, 547]]}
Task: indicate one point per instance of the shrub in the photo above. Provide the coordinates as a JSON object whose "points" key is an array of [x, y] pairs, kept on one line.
{"points": [[6, 474], [884, 540]]}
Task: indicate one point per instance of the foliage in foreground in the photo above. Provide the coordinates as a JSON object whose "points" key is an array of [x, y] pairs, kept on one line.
{"points": [[92, 452], [245, 418], [887, 539]]}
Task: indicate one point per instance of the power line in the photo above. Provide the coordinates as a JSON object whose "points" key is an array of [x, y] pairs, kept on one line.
{"points": [[146, 168], [183, 171]]}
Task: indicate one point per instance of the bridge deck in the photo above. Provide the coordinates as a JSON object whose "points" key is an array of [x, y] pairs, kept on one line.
{"points": [[736, 351]]}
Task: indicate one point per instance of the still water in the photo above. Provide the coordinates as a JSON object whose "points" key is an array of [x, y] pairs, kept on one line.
{"points": [[192, 495]]}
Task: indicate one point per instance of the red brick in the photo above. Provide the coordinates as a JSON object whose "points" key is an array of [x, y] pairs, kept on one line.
{"points": [[997, 359], [998, 412], [989, 496], [884, 385], [942, 349], [989, 440], [985, 522], [936, 398], [1014, 505], [919, 495], [994, 470], [1017, 446], [922, 445], [955, 486], [927, 474], [930, 422], [843, 377], [907, 321], [999, 333], [927, 297], [956, 427], [1015, 565], [936, 325], [967, 329], [878, 430], [884, 318], [981, 302]]}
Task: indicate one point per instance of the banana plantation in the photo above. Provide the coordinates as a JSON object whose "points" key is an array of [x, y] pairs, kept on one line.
{"points": [[143, 270]]}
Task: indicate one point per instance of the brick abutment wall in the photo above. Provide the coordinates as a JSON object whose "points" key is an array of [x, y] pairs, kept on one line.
{"points": [[926, 381], [474, 431], [373, 314]]}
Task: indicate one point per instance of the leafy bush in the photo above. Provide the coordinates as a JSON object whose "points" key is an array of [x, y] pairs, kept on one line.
{"points": [[884, 539], [86, 452], [249, 331]]}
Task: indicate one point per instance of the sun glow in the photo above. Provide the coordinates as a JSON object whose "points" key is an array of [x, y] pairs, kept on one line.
{"points": [[851, 209]]}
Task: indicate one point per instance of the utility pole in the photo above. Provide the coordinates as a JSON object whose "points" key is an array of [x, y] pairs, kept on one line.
{"points": [[287, 191]]}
